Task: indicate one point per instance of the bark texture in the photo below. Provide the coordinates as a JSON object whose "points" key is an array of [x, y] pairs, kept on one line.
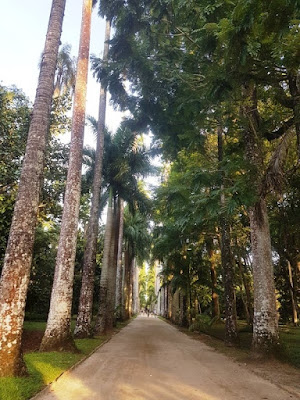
{"points": [[119, 277], [84, 318], [128, 261], [17, 263], [111, 293], [265, 320], [135, 288], [58, 331], [102, 312]]}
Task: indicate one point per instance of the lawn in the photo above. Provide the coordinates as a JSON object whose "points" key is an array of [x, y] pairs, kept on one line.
{"points": [[289, 350]]}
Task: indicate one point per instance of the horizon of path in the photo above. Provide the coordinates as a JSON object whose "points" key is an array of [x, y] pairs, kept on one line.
{"points": [[151, 360]]}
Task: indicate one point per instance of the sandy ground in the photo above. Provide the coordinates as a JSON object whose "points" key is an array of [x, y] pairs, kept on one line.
{"points": [[151, 360]]}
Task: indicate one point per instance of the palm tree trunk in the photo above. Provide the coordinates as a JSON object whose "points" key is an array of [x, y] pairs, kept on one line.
{"points": [[17, 263], [58, 331], [102, 312], [111, 293], [231, 336], [84, 318], [135, 288], [127, 283], [119, 262]]}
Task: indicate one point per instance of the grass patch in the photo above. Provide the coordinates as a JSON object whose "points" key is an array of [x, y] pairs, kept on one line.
{"points": [[44, 368], [290, 345], [289, 350]]}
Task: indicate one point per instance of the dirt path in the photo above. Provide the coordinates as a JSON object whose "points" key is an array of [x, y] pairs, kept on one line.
{"points": [[152, 360]]}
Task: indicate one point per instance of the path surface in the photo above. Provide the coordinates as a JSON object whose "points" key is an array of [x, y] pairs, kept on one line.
{"points": [[151, 360]]}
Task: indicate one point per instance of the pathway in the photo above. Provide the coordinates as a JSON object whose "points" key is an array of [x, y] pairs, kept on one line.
{"points": [[151, 360]]}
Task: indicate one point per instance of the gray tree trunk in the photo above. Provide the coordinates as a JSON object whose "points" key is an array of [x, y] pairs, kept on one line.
{"points": [[58, 331], [265, 320], [119, 278], [111, 293], [84, 318], [18, 257], [135, 288], [102, 312]]}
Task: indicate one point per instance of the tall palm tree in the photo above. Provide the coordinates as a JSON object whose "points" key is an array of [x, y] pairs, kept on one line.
{"points": [[125, 160], [84, 318], [137, 248], [16, 268], [58, 331]]}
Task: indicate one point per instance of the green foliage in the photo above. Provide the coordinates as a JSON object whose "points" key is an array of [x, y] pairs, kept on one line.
{"points": [[14, 123]]}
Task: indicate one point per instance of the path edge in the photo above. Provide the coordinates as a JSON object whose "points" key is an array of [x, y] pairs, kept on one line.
{"points": [[67, 371]]}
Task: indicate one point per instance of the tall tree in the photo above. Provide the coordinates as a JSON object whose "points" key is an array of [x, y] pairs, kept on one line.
{"points": [[84, 317], [16, 269], [58, 331]]}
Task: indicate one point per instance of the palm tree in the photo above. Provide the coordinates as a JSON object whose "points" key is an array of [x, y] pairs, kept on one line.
{"points": [[58, 331], [65, 71], [16, 268], [125, 160], [84, 318], [137, 248]]}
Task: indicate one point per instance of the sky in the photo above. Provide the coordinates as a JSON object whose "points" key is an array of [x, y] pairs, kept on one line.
{"points": [[23, 27]]}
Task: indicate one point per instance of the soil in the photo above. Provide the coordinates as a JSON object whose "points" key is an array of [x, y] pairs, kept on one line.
{"points": [[151, 360], [31, 340]]}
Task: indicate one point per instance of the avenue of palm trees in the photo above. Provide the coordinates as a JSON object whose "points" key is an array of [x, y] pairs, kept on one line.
{"points": [[217, 87]]}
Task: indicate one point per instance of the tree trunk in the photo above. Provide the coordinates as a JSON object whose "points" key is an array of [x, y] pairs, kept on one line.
{"points": [[295, 93], [126, 284], [18, 257], [102, 312], [135, 288], [58, 331], [119, 262], [213, 276], [247, 300], [84, 318], [112, 272], [293, 295], [265, 321], [231, 336]]}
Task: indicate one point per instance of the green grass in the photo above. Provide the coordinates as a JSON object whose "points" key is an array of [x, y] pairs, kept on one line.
{"points": [[41, 325], [289, 350], [44, 368], [290, 345]]}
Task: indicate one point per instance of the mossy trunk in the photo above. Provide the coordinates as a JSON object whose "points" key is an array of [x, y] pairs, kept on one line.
{"points": [[18, 257], [58, 331]]}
